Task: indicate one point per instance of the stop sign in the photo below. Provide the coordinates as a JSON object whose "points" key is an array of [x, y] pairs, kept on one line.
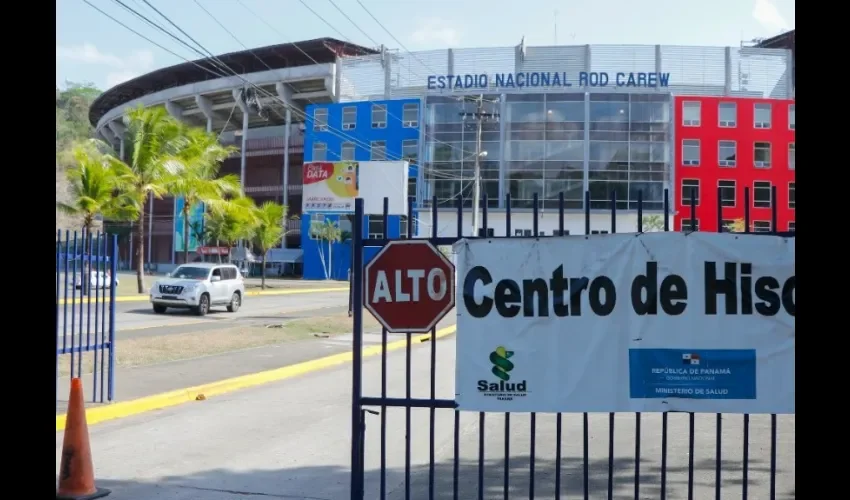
{"points": [[409, 286]]}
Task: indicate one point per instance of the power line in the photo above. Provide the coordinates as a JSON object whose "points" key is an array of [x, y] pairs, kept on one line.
{"points": [[394, 38], [222, 26], [329, 25], [353, 23]]}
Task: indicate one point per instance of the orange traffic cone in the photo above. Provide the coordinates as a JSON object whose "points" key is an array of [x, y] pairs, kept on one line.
{"points": [[76, 472]]}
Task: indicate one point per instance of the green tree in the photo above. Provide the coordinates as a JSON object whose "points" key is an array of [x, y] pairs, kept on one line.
{"points": [[326, 233], [653, 223], [198, 181], [230, 222], [268, 231], [157, 141], [96, 187]]}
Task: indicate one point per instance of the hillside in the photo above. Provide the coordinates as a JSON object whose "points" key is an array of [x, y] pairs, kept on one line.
{"points": [[72, 125]]}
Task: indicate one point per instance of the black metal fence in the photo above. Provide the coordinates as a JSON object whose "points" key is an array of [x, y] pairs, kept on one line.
{"points": [[512, 486]]}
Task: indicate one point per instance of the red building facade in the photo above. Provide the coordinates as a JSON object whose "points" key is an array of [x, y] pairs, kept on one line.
{"points": [[733, 143]]}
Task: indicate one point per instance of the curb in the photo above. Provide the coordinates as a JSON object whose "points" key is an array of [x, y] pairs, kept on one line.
{"points": [[180, 396], [253, 293]]}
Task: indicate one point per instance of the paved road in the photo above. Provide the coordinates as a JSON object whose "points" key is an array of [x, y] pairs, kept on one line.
{"points": [[133, 316], [290, 440]]}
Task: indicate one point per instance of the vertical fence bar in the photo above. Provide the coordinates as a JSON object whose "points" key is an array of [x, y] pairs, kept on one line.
{"points": [[637, 414], [506, 480], [664, 415], [356, 485], [719, 444], [481, 420], [97, 351], [586, 420], [103, 331], [745, 481], [774, 223], [611, 414], [692, 202], [456, 443], [432, 454], [535, 230], [383, 445], [58, 280], [113, 267], [65, 295], [84, 280], [559, 417], [90, 246], [74, 308]]}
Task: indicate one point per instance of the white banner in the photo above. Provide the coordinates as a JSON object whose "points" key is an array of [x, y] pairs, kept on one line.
{"points": [[331, 187], [700, 322]]}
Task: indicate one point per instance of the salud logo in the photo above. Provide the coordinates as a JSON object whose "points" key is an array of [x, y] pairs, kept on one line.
{"points": [[502, 366]]}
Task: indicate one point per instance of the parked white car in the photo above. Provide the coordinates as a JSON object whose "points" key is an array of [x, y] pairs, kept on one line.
{"points": [[97, 279], [199, 286]]}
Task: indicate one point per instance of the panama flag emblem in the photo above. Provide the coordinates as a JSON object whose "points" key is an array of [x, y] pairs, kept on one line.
{"points": [[690, 359]]}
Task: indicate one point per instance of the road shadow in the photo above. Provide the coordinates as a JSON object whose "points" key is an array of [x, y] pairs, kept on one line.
{"points": [[332, 483]]}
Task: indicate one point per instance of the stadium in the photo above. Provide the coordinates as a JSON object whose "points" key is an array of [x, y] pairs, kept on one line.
{"points": [[626, 119]]}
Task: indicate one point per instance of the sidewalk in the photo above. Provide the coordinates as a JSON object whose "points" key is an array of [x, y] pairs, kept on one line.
{"points": [[137, 382]]}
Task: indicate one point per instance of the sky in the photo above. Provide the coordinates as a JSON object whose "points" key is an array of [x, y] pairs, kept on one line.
{"points": [[92, 48]]}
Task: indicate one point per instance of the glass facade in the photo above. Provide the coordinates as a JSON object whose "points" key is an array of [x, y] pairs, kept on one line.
{"points": [[550, 144]]}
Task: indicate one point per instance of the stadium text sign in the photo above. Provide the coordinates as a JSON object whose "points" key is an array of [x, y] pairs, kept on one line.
{"points": [[698, 322], [545, 79]]}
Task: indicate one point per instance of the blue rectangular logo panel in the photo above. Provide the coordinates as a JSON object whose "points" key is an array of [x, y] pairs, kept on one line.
{"points": [[692, 374]]}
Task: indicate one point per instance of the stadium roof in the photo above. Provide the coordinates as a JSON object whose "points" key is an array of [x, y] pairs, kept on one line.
{"points": [[286, 55], [782, 41]]}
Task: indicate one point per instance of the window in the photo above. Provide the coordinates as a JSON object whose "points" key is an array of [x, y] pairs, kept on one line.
{"points": [[379, 116], [411, 187], [690, 152], [761, 226], [792, 195], [349, 118], [792, 226], [402, 227], [595, 232], [376, 226], [792, 116], [727, 193], [489, 233], [691, 111], [346, 152], [727, 226], [689, 224], [762, 115], [320, 119], [727, 150], [761, 194], [320, 151], [379, 150], [690, 188], [792, 156], [316, 221], [761, 154], [410, 150], [727, 113], [410, 115]]}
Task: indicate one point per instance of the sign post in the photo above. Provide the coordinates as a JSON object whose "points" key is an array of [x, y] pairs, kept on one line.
{"points": [[409, 286]]}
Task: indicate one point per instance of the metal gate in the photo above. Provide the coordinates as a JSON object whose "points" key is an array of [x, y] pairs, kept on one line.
{"points": [[86, 277], [736, 473]]}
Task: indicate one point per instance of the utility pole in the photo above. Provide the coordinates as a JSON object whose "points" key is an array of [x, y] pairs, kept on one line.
{"points": [[480, 116]]}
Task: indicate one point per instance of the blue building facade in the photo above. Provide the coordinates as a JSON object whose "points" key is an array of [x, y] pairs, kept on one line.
{"points": [[358, 131]]}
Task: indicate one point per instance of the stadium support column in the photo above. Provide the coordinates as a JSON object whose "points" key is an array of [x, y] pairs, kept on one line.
{"points": [[286, 171], [243, 106]]}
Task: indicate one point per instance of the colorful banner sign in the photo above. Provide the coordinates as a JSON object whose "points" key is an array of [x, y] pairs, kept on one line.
{"points": [[331, 187], [699, 322], [196, 224]]}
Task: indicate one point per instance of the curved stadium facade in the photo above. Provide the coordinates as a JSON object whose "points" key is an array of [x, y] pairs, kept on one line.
{"points": [[601, 118]]}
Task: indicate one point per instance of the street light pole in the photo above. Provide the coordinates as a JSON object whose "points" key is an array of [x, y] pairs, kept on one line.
{"points": [[480, 115]]}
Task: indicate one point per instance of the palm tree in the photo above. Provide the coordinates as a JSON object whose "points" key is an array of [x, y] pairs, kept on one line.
{"points": [[157, 139], [652, 223], [231, 222], [269, 231], [198, 181], [96, 180], [328, 233]]}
